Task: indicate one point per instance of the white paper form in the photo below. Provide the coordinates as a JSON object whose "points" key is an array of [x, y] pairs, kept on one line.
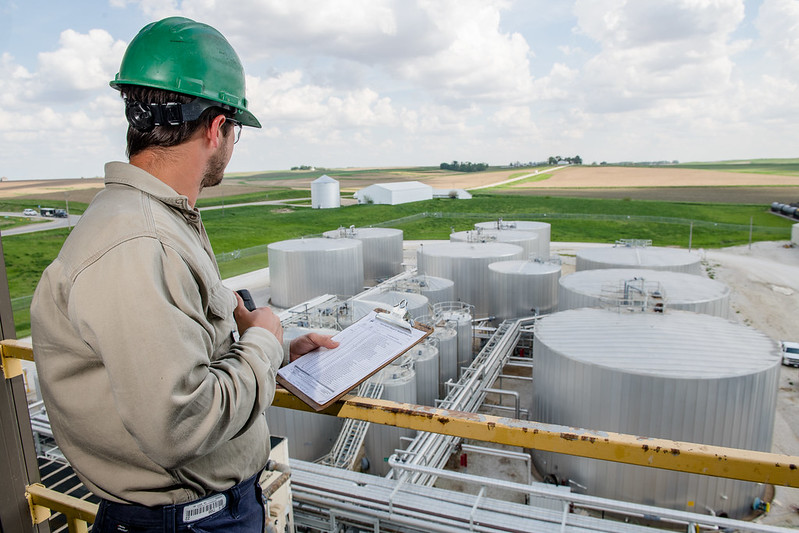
{"points": [[363, 348]]}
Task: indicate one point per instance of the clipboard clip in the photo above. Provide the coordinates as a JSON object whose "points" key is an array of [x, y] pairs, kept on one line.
{"points": [[397, 316]]}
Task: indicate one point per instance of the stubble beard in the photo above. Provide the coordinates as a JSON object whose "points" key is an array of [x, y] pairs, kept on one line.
{"points": [[215, 168]]}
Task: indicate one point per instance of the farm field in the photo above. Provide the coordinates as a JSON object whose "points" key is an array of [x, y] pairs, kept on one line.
{"points": [[712, 183]]}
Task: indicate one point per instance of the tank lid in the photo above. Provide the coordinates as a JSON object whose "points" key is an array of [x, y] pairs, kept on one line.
{"points": [[470, 250], [675, 344], [314, 244], [524, 267]]}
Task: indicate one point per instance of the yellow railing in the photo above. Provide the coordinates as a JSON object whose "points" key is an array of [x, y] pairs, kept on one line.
{"points": [[747, 465]]}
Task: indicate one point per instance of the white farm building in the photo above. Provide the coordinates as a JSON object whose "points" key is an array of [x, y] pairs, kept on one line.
{"points": [[394, 193]]}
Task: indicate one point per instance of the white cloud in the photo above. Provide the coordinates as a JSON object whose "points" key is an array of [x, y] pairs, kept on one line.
{"points": [[83, 61], [655, 50], [778, 24]]}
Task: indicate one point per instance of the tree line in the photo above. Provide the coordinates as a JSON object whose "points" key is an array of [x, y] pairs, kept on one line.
{"points": [[576, 160], [465, 166]]}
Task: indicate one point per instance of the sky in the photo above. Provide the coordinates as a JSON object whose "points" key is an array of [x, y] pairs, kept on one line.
{"points": [[358, 83]]}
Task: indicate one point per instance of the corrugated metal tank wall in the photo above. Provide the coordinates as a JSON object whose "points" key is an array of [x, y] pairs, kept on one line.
{"points": [[686, 292], [674, 375], [520, 288], [301, 269], [650, 257], [466, 264], [446, 337], [526, 239], [542, 229], [425, 363], [325, 193], [382, 250], [399, 385], [458, 315]]}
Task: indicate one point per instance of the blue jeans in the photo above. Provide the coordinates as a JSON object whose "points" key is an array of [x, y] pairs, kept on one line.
{"points": [[240, 509]]}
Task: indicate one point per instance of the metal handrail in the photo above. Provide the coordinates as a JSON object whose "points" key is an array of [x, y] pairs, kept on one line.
{"points": [[732, 463]]}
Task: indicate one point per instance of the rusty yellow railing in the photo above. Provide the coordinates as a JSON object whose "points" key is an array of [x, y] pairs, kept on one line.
{"points": [[688, 457]]}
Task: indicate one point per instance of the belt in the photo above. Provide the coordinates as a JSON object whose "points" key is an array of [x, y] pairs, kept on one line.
{"points": [[182, 513]]}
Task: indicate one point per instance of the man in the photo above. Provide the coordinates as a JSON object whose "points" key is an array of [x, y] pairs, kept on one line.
{"points": [[154, 375]]}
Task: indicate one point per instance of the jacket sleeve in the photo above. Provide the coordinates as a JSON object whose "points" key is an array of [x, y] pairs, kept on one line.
{"points": [[180, 385]]}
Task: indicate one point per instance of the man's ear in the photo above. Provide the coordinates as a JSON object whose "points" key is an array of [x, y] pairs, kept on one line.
{"points": [[214, 131]]}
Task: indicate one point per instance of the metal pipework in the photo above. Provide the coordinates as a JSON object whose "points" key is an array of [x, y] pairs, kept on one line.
{"points": [[732, 463]]}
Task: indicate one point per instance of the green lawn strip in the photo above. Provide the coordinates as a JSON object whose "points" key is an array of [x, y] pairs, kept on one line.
{"points": [[248, 198], [519, 183], [236, 230], [8, 222]]}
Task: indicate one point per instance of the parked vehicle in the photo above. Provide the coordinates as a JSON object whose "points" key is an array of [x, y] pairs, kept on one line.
{"points": [[790, 353], [30, 212]]}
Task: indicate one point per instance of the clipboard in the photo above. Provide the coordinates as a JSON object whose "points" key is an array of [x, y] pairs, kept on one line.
{"points": [[322, 376]]}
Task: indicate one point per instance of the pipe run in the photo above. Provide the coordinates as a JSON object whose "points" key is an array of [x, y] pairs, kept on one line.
{"points": [[592, 502]]}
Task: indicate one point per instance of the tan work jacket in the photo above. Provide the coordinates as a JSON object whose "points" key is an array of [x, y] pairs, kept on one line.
{"points": [[149, 397]]}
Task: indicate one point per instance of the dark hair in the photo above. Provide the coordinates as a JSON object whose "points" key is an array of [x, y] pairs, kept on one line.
{"points": [[165, 136]]}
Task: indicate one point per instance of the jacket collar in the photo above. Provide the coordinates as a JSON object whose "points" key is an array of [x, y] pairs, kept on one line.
{"points": [[133, 176]]}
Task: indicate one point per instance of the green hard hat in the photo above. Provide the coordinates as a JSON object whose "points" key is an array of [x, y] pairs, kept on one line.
{"points": [[180, 55]]}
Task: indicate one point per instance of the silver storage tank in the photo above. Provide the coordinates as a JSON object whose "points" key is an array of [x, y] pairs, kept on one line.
{"points": [[353, 310], [301, 269], [434, 288], [687, 292], [382, 249], [446, 336], [459, 316], [311, 435], [399, 385], [526, 239], [650, 257], [466, 264], [676, 375], [425, 363], [325, 193], [542, 229], [416, 304], [523, 288]]}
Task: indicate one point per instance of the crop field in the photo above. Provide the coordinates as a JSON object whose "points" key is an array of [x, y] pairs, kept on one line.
{"points": [[673, 206]]}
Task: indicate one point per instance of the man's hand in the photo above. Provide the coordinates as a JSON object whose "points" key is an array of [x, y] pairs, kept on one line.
{"points": [[309, 342], [262, 317]]}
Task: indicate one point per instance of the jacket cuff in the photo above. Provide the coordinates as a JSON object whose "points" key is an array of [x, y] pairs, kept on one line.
{"points": [[267, 341]]}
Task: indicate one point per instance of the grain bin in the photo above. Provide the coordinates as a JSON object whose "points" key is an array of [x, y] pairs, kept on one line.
{"points": [[466, 264], [311, 435], [542, 229], [325, 193], [382, 249], [675, 375], [301, 269], [434, 288], [523, 288], [687, 292], [399, 385], [527, 240], [650, 257]]}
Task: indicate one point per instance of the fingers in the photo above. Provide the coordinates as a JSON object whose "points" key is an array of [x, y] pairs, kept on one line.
{"points": [[325, 341]]}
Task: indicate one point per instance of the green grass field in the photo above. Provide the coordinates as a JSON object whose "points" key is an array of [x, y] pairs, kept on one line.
{"points": [[245, 231], [784, 167]]}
